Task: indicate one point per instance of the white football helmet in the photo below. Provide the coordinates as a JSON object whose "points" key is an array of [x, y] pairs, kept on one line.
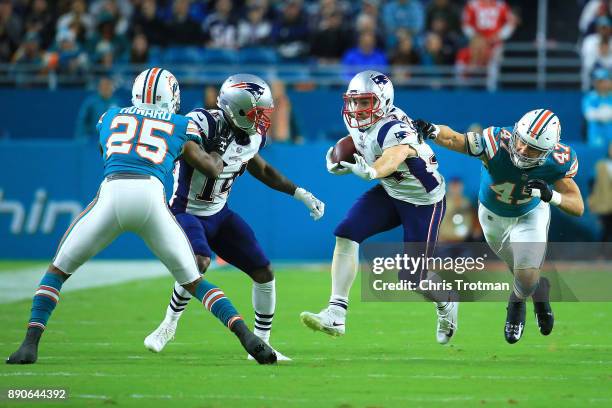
{"points": [[247, 100], [371, 86], [156, 88], [540, 129]]}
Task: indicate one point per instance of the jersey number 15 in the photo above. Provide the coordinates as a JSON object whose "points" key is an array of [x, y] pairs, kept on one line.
{"points": [[148, 146]]}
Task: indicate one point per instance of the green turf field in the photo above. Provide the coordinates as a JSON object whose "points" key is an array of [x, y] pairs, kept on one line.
{"points": [[389, 358]]}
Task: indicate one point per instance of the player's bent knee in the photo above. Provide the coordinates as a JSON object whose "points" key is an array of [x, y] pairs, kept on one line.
{"points": [[262, 275], [526, 281], [346, 246], [191, 286], [203, 263]]}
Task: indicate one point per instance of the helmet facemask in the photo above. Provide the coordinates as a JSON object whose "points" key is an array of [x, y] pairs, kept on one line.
{"points": [[260, 117], [534, 155], [361, 110]]}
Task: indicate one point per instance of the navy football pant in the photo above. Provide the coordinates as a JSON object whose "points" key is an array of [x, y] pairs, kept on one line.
{"points": [[227, 235], [375, 212]]}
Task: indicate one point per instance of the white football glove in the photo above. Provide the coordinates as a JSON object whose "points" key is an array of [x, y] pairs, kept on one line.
{"points": [[360, 168], [334, 168], [316, 206]]}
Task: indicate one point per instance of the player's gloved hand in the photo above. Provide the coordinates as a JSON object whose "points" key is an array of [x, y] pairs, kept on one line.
{"points": [[425, 130], [220, 139], [540, 188], [334, 168], [316, 206], [360, 168]]}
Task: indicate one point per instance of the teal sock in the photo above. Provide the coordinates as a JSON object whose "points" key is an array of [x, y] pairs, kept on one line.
{"points": [[45, 300], [215, 301]]}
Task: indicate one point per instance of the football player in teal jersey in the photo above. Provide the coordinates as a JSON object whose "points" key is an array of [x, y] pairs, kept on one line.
{"points": [[139, 146], [525, 170]]}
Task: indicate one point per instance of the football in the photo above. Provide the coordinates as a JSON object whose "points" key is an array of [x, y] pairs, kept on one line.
{"points": [[344, 150]]}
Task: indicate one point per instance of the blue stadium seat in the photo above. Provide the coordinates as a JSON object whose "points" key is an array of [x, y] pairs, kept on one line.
{"points": [[219, 56], [257, 55], [183, 55]]}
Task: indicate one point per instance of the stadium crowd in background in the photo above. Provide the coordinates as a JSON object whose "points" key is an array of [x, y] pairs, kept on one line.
{"points": [[70, 36]]}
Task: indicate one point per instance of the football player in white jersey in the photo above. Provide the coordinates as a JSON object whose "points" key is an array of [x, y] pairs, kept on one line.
{"points": [[410, 193], [199, 202]]}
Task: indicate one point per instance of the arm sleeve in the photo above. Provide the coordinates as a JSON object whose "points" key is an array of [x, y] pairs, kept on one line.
{"points": [[99, 124], [491, 141]]}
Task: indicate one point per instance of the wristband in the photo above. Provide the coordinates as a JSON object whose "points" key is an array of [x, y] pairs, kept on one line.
{"points": [[556, 198]]}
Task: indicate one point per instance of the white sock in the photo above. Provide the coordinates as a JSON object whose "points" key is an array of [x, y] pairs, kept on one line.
{"points": [[343, 271], [264, 304], [178, 302]]}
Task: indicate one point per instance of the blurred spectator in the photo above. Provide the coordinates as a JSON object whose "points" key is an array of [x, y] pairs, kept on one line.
{"points": [[29, 55], [331, 39], [407, 14], [211, 93], [364, 55], [404, 53], [284, 122], [450, 39], [597, 110], [491, 19], [92, 109], [255, 29], [139, 53], [67, 56], [367, 23], [10, 30], [220, 28], [105, 44], [40, 19], [290, 31], [597, 50], [591, 11], [181, 28], [120, 10], [472, 59], [459, 223], [600, 200], [148, 22], [446, 11], [433, 51], [77, 20]]}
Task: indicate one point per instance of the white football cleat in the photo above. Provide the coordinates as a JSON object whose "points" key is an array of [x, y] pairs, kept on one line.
{"points": [[157, 340], [447, 322], [279, 356], [327, 321]]}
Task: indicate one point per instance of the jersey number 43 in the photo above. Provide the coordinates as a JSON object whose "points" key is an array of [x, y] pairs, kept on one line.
{"points": [[148, 146]]}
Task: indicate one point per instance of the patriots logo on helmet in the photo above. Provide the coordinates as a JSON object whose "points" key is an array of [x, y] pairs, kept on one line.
{"points": [[256, 90], [380, 80]]}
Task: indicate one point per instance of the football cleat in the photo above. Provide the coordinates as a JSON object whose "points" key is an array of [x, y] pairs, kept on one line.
{"points": [[541, 306], [279, 356], [544, 317], [28, 351], [157, 340], [257, 348], [515, 321], [327, 321], [447, 322]]}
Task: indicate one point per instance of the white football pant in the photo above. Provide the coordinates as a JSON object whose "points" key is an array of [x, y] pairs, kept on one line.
{"points": [[130, 204]]}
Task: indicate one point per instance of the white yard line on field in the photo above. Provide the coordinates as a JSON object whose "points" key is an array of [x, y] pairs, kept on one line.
{"points": [[21, 284]]}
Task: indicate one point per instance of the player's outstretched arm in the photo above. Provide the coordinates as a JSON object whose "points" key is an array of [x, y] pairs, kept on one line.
{"points": [[469, 143], [566, 194], [209, 164], [267, 174]]}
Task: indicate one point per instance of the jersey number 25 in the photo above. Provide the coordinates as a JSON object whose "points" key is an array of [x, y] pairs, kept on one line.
{"points": [[148, 146]]}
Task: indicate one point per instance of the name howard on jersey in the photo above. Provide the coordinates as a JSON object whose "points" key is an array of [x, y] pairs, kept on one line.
{"points": [[197, 194], [148, 113], [417, 180]]}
